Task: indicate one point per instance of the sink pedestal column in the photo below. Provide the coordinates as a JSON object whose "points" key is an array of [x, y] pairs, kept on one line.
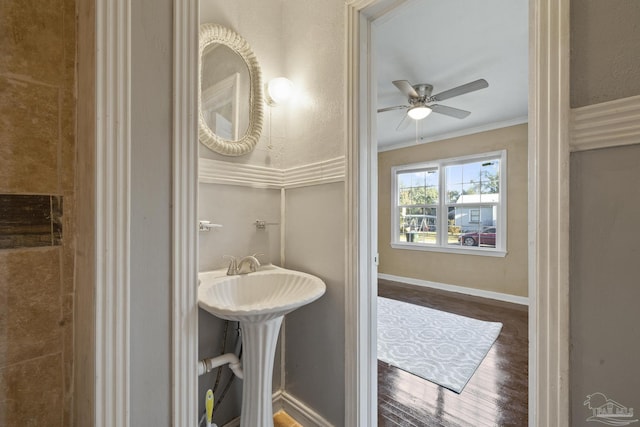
{"points": [[258, 352]]}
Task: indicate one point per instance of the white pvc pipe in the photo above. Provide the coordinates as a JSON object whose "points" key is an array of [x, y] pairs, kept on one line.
{"points": [[206, 365]]}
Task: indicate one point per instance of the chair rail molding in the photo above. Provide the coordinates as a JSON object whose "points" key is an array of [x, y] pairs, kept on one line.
{"points": [[604, 125], [112, 214], [548, 213], [246, 175]]}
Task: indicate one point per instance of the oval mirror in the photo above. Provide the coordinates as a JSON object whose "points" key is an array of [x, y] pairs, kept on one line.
{"points": [[231, 111]]}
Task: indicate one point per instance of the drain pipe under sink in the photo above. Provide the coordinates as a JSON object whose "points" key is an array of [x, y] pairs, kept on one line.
{"points": [[206, 365]]}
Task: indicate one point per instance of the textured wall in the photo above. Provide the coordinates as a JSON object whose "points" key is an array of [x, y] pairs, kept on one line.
{"points": [[605, 41], [506, 275], [260, 24], [314, 40], [604, 293], [37, 157]]}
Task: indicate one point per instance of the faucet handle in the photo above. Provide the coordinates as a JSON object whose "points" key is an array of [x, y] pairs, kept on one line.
{"points": [[233, 265]]}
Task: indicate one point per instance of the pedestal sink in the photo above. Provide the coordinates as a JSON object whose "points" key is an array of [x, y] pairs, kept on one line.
{"points": [[259, 302]]}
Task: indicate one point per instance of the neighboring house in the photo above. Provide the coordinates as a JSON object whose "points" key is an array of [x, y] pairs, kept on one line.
{"points": [[474, 210]]}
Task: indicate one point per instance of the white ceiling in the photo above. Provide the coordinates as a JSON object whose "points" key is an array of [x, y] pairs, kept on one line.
{"points": [[447, 43]]}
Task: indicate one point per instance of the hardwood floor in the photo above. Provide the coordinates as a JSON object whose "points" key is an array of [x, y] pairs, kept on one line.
{"points": [[496, 395]]}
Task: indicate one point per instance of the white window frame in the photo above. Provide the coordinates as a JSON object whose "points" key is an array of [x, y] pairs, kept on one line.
{"points": [[501, 226]]}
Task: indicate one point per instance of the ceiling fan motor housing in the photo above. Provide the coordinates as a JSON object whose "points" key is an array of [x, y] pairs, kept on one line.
{"points": [[423, 89]]}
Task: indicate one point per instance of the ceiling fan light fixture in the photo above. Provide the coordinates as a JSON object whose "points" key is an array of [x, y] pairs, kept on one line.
{"points": [[419, 112]]}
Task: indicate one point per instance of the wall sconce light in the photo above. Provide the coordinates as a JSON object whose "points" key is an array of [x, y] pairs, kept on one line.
{"points": [[278, 90]]}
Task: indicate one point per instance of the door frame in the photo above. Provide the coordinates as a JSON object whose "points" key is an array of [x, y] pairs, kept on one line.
{"points": [[548, 214], [548, 210], [106, 24]]}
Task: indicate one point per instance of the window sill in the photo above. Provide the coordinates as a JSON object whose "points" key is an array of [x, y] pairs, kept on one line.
{"points": [[451, 250]]}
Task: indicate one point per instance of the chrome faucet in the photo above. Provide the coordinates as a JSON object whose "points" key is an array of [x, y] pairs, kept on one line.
{"points": [[252, 261], [238, 267]]}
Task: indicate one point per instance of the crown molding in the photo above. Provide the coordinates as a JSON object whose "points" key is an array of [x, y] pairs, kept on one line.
{"points": [[457, 134]]}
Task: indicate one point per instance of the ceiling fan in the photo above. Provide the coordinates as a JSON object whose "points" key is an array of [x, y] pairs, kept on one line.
{"points": [[421, 102]]}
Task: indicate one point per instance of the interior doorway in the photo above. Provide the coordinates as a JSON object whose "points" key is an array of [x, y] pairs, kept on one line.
{"points": [[476, 91], [547, 206]]}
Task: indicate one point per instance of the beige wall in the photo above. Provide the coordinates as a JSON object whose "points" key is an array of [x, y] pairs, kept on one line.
{"points": [[505, 275], [37, 156]]}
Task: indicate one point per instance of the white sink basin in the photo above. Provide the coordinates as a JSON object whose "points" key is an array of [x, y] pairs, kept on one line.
{"points": [[259, 302], [255, 297]]}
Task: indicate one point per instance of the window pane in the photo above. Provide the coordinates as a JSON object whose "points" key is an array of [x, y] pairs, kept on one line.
{"points": [[418, 187], [417, 225], [473, 225], [453, 176], [490, 181], [476, 182]]}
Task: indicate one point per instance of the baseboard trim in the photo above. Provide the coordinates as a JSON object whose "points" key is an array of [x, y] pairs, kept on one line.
{"points": [[233, 423], [294, 408], [458, 289], [299, 411]]}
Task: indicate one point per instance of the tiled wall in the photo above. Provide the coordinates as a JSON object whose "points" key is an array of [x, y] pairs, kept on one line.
{"points": [[37, 168]]}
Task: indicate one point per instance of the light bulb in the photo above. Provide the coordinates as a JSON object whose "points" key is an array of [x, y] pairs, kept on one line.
{"points": [[419, 112], [279, 90]]}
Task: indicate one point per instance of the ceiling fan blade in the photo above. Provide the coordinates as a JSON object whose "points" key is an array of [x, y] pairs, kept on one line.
{"points": [[449, 111], [404, 123], [460, 90], [397, 107], [405, 87]]}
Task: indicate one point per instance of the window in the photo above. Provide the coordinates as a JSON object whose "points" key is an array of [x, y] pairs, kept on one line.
{"points": [[474, 216], [451, 205]]}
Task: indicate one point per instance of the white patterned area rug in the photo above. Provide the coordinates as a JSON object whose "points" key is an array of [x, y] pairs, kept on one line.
{"points": [[441, 347]]}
